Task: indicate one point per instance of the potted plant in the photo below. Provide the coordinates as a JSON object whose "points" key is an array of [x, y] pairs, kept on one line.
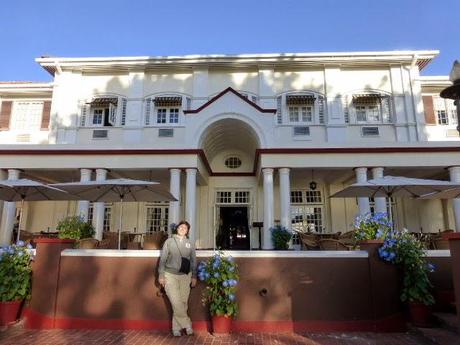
{"points": [[407, 252], [15, 280], [75, 228], [280, 237], [220, 274]]}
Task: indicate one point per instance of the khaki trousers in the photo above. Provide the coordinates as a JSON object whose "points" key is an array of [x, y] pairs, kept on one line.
{"points": [[177, 287]]}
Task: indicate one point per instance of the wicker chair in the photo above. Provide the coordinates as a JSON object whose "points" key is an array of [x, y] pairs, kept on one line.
{"points": [[309, 241], [88, 243], [110, 240], [331, 244], [347, 238], [155, 240]]}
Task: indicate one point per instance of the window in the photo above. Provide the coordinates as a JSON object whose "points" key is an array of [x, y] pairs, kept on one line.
{"points": [[233, 197], [102, 111], [301, 114], [156, 218], [307, 212], [369, 108], [445, 111], [174, 115], [161, 115], [26, 115], [107, 215], [233, 162]]}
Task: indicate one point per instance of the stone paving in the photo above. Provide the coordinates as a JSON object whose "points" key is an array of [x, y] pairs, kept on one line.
{"points": [[16, 335]]}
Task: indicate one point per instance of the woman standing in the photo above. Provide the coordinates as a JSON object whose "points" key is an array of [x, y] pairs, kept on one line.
{"points": [[177, 274]]}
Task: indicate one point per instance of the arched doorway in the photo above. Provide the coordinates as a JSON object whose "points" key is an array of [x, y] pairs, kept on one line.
{"points": [[225, 142]]}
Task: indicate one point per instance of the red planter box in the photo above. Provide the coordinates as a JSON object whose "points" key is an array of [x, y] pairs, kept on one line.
{"points": [[221, 324], [9, 312]]}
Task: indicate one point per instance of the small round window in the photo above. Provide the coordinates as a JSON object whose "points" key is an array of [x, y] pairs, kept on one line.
{"points": [[233, 162]]}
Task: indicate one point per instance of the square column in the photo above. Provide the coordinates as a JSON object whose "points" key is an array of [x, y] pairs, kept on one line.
{"points": [[99, 208], [174, 189], [454, 173], [83, 205], [363, 203], [380, 203], [8, 214], [285, 198], [190, 202], [268, 208]]}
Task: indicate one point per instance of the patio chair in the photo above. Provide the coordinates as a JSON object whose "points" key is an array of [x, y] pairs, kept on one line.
{"points": [[88, 243], [309, 242], [155, 240], [347, 238], [109, 240], [331, 244]]}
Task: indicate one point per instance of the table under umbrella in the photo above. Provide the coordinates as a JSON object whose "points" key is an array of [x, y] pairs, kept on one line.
{"points": [[30, 190], [394, 186], [117, 190]]}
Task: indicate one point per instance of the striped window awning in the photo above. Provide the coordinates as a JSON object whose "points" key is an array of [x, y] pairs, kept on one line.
{"points": [[300, 99], [171, 101], [103, 101], [367, 98]]}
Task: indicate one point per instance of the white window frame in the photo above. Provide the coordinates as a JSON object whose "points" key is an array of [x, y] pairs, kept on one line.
{"points": [[108, 215], [93, 116], [173, 113], [153, 224], [305, 113], [369, 109], [318, 109], [445, 109], [30, 120]]}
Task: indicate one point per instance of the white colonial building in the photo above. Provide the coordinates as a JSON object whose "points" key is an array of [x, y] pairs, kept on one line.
{"points": [[238, 139]]}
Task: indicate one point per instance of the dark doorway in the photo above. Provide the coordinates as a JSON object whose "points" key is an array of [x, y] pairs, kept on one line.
{"points": [[233, 228]]}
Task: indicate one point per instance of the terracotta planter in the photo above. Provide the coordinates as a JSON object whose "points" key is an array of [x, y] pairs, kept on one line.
{"points": [[221, 324], [9, 312], [420, 314]]}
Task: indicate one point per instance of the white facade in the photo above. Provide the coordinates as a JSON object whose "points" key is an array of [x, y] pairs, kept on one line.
{"points": [[235, 138]]}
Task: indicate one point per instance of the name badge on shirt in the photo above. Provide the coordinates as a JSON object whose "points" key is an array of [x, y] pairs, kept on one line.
{"points": [[187, 245]]}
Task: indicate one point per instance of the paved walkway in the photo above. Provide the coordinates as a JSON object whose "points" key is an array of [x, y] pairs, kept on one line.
{"points": [[16, 335]]}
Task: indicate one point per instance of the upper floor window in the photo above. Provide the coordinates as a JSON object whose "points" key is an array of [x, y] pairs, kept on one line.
{"points": [[164, 109], [369, 108], [300, 108], [26, 115], [446, 113], [104, 111]]}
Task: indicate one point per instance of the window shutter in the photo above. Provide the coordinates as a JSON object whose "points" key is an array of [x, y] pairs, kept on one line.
{"points": [[430, 118], [346, 109], [279, 115], [84, 114], [189, 103], [321, 109], [386, 109], [46, 116], [5, 115], [124, 103], [148, 108], [112, 114]]}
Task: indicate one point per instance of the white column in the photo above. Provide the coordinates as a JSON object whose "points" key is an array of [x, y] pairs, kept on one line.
{"points": [[285, 198], [8, 214], [174, 189], [83, 205], [3, 176], [268, 208], [363, 203], [99, 208], [455, 177], [380, 203], [190, 201]]}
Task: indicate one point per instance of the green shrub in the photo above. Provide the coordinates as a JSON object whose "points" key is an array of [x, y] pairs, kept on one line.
{"points": [[15, 272], [280, 237], [74, 227]]}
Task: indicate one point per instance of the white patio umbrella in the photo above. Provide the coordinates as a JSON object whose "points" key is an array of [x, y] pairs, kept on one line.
{"points": [[122, 190], [393, 186], [451, 193], [29, 190]]}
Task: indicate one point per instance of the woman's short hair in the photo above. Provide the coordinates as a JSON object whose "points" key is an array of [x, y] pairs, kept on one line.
{"points": [[187, 224]]}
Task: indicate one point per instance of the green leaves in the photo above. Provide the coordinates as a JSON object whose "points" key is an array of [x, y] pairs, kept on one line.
{"points": [[280, 237], [75, 227], [15, 273]]}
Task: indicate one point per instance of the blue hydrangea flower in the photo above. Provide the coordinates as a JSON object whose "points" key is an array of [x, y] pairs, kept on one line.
{"points": [[225, 283], [231, 268], [20, 243], [230, 259], [216, 275], [231, 297], [29, 246]]}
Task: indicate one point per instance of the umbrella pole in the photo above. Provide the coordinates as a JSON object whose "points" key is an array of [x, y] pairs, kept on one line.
{"points": [[121, 223], [390, 212], [20, 220]]}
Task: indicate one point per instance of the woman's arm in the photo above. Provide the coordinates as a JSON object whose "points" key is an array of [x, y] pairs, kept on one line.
{"points": [[163, 258], [193, 261]]}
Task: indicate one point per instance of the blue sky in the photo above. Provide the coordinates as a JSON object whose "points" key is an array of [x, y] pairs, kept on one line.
{"points": [[29, 29]]}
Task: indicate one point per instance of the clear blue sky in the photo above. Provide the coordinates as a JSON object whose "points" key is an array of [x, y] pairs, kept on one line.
{"points": [[29, 29]]}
